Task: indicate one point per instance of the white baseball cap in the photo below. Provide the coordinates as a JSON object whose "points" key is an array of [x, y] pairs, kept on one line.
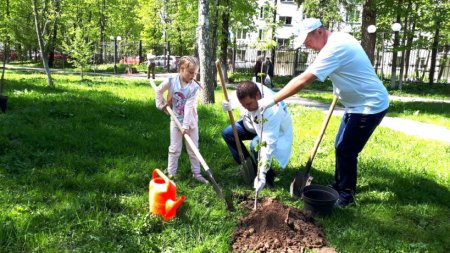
{"points": [[306, 26]]}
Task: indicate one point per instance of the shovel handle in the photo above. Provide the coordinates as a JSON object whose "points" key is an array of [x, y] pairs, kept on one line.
{"points": [[230, 113], [322, 132]]}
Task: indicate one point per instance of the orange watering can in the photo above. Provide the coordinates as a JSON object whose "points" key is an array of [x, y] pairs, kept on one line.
{"points": [[162, 195]]}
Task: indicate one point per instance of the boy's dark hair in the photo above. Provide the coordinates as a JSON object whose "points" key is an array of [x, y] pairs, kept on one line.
{"points": [[246, 89]]}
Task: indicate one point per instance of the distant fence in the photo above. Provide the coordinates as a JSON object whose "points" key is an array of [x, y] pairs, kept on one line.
{"points": [[292, 62], [417, 68]]}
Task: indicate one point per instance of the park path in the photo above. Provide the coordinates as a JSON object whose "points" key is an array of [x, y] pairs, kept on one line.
{"points": [[406, 126]]}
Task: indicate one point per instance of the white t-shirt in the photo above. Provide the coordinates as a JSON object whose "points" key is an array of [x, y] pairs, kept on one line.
{"points": [[354, 79]]}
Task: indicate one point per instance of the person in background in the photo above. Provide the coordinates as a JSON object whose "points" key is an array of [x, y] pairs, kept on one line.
{"points": [[268, 70], [358, 88], [258, 70], [151, 66], [274, 127], [182, 91]]}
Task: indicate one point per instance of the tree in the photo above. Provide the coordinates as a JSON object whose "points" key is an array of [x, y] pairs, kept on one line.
{"points": [[4, 30], [79, 49], [205, 53], [368, 18], [40, 31]]}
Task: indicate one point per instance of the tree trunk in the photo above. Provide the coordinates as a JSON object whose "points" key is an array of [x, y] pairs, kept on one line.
{"points": [[214, 41], [5, 52], [102, 25], [368, 40], [434, 51], [272, 53], [41, 44], [394, 56], [224, 43], [408, 47], [402, 60], [204, 52]]}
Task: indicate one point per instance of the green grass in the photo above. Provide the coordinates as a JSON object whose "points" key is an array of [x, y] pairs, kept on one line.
{"points": [[75, 163]]}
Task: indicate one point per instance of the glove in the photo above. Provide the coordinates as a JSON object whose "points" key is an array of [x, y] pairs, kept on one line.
{"points": [[260, 182], [260, 179], [226, 106], [265, 103]]}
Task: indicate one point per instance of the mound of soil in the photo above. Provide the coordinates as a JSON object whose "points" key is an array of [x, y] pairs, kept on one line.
{"points": [[274, 227]]}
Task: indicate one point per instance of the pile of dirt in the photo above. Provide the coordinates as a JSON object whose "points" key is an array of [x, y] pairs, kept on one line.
{"points": [[274, 227]]}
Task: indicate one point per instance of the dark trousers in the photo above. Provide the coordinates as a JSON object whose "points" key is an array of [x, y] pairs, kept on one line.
{"points": [[227, 135], [354, 131], [151, 70]]}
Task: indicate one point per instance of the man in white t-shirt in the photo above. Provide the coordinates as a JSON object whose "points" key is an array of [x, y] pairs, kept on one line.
{"points": [[357, 86]]}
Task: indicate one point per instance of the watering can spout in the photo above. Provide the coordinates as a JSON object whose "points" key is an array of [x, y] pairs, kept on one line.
{"points": [[172, 206]]}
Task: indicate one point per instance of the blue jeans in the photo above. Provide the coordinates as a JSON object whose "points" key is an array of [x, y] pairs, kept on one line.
{"points": [[353, 134], [227, 135]]}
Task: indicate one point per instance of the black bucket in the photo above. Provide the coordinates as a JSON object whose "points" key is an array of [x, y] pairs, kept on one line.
{"points": [[319, 199]]}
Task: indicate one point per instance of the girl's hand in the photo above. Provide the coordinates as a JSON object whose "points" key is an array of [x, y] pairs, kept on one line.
{"points": [[164, 109]]}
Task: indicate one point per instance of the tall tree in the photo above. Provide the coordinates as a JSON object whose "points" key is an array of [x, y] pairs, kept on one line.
{"points": [[368, 18], [40, 31], [224, 38], [4, 31], [205, 53]]}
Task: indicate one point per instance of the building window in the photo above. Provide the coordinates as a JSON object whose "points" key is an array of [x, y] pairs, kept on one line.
{"points": [[260, 34], [287, 1], [241, 34], [286, 20], [240, 55], [283, 42], [262, 12]]}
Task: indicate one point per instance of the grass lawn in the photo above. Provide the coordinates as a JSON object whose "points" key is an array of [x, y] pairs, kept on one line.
{"points": [[75, 163]]}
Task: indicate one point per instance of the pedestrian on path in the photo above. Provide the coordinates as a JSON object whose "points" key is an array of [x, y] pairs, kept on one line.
{"points": [[268, 70], [358, 88], [151, 66]]}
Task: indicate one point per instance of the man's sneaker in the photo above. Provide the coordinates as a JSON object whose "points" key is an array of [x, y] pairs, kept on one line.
{"points": [[200, 178], [345, 198]]}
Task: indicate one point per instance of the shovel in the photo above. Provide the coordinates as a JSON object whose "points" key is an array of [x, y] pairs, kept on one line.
{"points": [[246, 167], [217, 189], [303, 179]]}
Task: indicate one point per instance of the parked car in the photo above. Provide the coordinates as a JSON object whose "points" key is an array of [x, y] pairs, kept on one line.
{"points": [[161, 61], [12, 56]]}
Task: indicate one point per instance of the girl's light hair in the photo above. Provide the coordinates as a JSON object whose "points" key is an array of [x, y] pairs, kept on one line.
{"points": [[190, 60]]}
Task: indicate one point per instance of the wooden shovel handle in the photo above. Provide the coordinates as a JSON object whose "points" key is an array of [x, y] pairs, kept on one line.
{"points": [[230, 113], [322, 132]]}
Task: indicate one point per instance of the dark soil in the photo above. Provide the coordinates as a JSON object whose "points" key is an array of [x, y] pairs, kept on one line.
{"points": [[274, 227]]}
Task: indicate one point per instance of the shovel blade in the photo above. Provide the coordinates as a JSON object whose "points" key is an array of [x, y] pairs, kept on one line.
{"points": [[299, 182], [248, 171]]}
